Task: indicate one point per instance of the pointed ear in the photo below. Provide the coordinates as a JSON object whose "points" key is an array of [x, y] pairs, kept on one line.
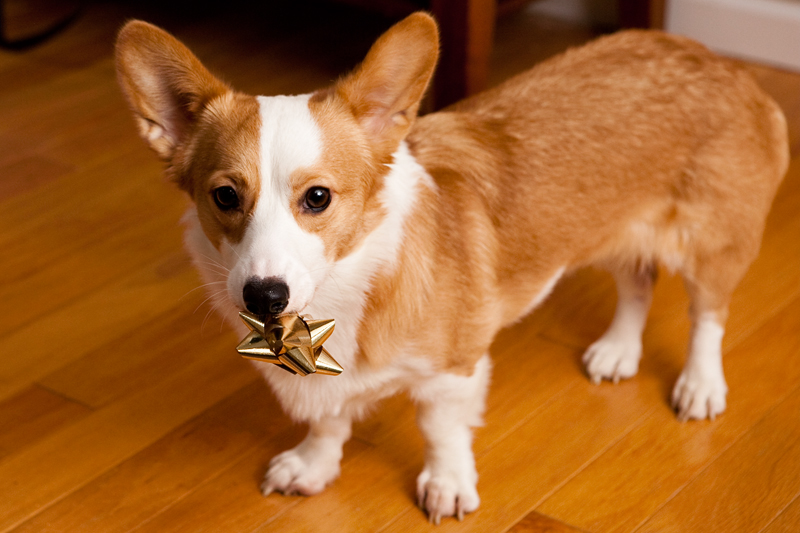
{"points": [[165, 84], [385, 91]]}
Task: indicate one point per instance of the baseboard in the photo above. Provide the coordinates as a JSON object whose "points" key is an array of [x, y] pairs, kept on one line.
{"points": [[766, 31]]}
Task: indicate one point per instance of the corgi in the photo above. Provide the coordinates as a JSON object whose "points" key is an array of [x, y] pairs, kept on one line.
{"points": [[423, 236]]}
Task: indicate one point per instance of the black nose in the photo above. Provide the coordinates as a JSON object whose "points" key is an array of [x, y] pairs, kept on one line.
{"points": [[265, 296]]}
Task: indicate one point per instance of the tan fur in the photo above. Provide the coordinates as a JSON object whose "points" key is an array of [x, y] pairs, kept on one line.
{"points": [[638, 148], [212, 143], [223, 151], [352, 172], [384, 92], [363, 118]]}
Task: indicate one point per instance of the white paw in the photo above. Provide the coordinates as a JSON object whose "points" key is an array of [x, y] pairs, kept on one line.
{"points": [[443, 495], [613, 358], [291, 473], [699, 397]]}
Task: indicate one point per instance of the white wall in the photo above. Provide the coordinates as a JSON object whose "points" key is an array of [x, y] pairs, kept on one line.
{"points": [[766, 31]]}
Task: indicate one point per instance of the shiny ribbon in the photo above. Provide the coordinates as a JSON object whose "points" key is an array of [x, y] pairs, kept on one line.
{"points": [[290, 341]]}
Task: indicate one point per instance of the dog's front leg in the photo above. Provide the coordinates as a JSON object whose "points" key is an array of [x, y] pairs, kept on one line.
{"points": [[448, 406], [311, 465]]}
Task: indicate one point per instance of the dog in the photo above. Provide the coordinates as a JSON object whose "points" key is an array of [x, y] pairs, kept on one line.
{"points": [[423, 236]]}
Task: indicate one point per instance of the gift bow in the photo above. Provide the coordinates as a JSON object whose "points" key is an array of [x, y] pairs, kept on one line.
{"points": [[290, 341]]}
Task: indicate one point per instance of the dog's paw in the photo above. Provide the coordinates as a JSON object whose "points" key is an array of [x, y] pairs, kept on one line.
{"points": [[292, 473], [698, 397], [613, 358], [445, 495]]}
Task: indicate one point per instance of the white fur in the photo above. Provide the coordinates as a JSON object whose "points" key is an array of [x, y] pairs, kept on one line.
{"points": [[617, 353], [448, 407], [701, 389], [311, 465], [274, 245]]}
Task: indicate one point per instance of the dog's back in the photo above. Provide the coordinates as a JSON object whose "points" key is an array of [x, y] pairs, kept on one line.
{"points": [[640, 147]]}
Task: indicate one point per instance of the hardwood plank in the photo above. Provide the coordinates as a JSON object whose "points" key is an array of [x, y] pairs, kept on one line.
{"points": [[629, 482], [95, 249], [92, 321], [232, 500], [765, 460], [529, 375], [29, 172], [373, 487], [513, 449], [78, 117], [522, 41], [538, 523], [579, 310], [40, 475], [173, 467], [787, 520], [131, 360], [389, 417], [377, 481], [178, 440], [531, 463], [32, 415], [529, 372]]}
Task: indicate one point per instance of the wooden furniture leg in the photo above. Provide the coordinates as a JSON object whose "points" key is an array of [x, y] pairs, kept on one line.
{"points": [[467, 32], [641, 14]]}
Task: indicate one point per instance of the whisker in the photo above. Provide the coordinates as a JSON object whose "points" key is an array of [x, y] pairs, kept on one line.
{"points": [[233, 249], [215, 264], [210, 297], [203, 286]]}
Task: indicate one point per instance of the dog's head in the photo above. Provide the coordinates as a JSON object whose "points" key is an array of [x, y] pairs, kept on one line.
{"points": [[284, 187]]}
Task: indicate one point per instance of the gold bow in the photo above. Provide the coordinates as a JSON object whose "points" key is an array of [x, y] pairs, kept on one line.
{"points": [[290, 341]]}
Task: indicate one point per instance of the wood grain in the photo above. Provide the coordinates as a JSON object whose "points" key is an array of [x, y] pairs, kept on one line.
{"points": [[787, 520], [771, 475], [33, 414], [646, 467], [537, 523]]}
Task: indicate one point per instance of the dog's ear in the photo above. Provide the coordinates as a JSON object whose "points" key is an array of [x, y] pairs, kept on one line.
{"points": [[165, 84], [385, 91]]}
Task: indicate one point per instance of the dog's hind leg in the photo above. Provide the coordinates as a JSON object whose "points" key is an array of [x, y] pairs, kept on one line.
{"points": [[616, 354], [701, 388], [448, 406], [311, 465]]}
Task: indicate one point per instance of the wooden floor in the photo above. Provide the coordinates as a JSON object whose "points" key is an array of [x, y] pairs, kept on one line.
{"points": [[124, 407]]}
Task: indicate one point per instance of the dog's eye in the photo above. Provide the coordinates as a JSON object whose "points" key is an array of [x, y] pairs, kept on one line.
{"points": [[226, 198], [318, 198]]}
